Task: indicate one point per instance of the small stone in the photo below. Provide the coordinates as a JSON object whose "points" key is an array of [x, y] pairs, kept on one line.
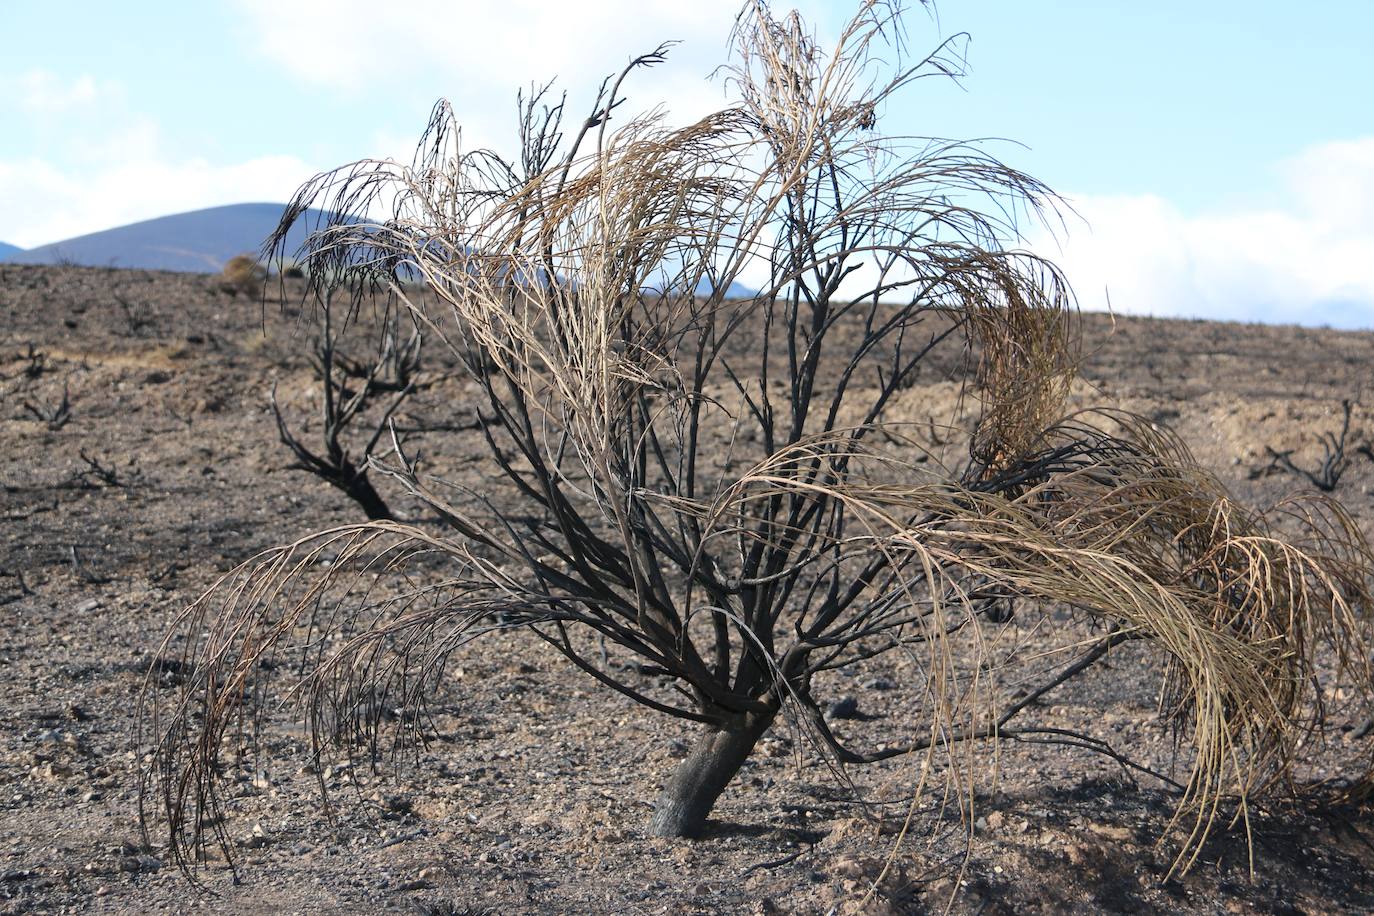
{"points": [[843, 708], [257, 839], [854, 868], [336, 771], [537, 821], [774, 747], [1112, 832], [845, 829]]}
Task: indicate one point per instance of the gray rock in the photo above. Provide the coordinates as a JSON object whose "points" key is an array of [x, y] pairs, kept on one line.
{"points": [[843, 708]]}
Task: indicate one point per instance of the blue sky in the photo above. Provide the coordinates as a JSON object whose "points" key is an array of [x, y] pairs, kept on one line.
{"points": [[1220, 154]]}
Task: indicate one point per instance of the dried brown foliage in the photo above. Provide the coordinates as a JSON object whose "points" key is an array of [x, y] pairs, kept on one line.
{"points": [[243, 274]]}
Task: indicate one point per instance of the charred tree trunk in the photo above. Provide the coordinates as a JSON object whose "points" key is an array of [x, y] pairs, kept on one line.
{"points": [[699, 780], [357, 486]]}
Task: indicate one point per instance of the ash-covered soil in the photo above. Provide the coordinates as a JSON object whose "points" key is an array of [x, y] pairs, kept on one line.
{"points": [[163, 471]]}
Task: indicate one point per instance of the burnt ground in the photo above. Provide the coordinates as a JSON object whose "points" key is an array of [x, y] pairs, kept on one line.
{"points": [[534, 789]]}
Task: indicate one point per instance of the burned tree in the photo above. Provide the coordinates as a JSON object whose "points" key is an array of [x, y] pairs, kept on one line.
{"points": [[347, 388], [1327, 476], [717, 488]]}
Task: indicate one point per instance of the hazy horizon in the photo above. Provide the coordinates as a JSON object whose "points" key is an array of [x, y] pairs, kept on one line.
{"points": [[1217, 160]]}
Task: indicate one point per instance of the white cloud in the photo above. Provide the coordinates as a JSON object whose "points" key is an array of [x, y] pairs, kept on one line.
{"points": [[479, 53], [1335, 183], [96, 164], [1310, 260], [490, 40], [47, 202], [44, 92]]}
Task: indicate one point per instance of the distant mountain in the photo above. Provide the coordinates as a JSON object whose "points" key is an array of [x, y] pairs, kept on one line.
{"points": [[199, 241], [734, 291], [705, 287]]}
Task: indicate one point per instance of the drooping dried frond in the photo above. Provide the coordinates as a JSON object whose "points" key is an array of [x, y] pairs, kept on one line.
{"points": [[1129, 529], [718, 487], [1027, 358]]}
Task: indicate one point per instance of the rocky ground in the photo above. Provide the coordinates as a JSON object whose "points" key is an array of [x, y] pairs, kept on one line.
{"points": [[140, 461]]}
